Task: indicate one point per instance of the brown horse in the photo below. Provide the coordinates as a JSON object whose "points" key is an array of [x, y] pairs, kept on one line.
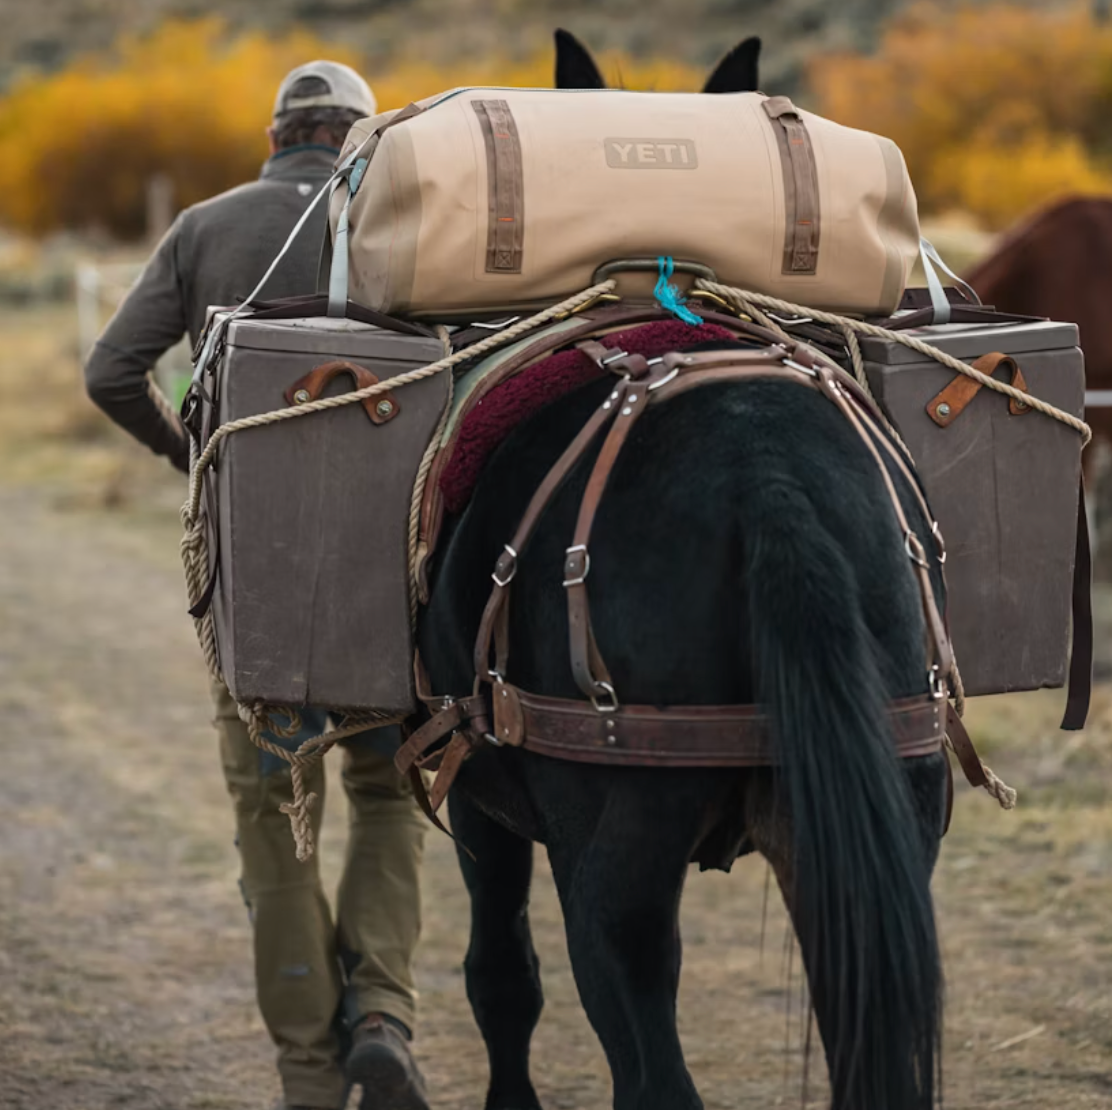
{"points": [[1056, 265]]}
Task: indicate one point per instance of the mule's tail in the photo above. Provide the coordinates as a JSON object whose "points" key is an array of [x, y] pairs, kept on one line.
{"points": [[859, 879]]}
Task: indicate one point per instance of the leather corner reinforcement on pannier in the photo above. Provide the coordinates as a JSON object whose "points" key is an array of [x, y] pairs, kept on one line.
{"points": [[505, 187]]}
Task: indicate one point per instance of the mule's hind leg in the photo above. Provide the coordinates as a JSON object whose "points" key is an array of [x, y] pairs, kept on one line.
{"points": [[620, 888], [501, 968]]}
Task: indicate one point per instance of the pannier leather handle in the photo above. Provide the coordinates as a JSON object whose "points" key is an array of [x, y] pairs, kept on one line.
{"points": [[651, 265], [945, 407], [381, 408]]}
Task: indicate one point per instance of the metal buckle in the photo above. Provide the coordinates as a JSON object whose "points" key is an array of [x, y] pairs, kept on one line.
{"points": [[604, 689], [663, 381], [586, 565], [936, 683], [503, 582], [496, 325], [940, 543], [604, 362], [789, 321], [915, 556], [790, 362], [497, 679]]}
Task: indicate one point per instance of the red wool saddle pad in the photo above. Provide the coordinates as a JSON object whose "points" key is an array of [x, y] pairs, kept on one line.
{"points": [[519, 397]]}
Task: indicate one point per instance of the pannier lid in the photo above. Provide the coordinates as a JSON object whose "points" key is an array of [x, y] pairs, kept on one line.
{"points": [[333, 338], [969, 341]]}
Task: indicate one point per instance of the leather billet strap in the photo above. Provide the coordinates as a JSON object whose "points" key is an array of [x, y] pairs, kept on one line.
{"points": [[627, 402], [466, 713], [494, 623]]}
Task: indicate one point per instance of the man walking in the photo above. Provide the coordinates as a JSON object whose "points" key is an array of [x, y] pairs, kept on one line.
{"points": [[337, 998]]}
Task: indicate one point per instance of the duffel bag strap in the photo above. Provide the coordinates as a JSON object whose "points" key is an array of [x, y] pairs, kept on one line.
{"points": [[351, 175]]}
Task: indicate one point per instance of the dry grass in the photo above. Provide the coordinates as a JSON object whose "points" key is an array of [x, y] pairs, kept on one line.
{"points": [[52, 434]]}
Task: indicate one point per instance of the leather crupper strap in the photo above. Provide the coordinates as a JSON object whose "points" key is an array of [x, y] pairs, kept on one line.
{"points": [[601, 729]]}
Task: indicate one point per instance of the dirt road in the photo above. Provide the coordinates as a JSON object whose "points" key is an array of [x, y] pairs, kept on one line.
{"points": [[124, 975]]}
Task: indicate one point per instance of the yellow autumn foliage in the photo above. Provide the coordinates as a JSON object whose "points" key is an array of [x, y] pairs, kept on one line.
{"points": [[997, 109], [191, 101]]}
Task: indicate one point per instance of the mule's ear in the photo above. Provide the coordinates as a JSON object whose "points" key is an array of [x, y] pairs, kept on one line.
{"points": [[737, 72], [575, 68]]}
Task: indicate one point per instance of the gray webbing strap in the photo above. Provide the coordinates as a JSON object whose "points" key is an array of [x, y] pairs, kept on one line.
{"points": [[351, 173], [338, 272], [930, 258]]}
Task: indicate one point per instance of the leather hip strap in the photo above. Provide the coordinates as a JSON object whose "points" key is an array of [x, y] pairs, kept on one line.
{"points": [[694, 736]]}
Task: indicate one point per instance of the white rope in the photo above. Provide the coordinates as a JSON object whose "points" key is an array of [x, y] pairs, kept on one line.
{"points": [[745, 301]]}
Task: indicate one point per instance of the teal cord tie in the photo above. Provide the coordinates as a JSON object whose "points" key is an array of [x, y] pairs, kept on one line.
{"points": [[669, 296]]}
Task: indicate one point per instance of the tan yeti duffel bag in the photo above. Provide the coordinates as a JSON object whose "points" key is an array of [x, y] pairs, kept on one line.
{"points": [[484, 200]]}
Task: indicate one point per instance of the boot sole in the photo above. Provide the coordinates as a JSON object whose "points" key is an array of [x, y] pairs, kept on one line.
{"points": [[387, 1083]]}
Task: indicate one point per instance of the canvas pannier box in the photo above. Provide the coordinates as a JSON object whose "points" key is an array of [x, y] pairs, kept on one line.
{"points": [[308, 518], [1003, 482], [486, 199]]}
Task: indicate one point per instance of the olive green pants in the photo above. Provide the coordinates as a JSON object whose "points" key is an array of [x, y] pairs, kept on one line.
{"points": [[312, 973]]}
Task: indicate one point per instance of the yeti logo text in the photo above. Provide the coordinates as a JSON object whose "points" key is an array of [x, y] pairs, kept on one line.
{"points": [[650, 154]]}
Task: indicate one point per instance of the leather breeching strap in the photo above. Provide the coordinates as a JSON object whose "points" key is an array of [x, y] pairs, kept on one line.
{"points": [[600, 729]]}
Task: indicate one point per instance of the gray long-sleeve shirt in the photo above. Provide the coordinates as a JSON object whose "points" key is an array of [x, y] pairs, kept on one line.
{"points": [[214, 253]]}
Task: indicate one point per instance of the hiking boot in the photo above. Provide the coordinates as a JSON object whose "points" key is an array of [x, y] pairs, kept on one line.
{"points": [[380, 1062]]}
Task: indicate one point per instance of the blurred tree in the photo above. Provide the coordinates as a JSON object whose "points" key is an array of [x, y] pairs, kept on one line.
{"points": [[997, 110], [79, 148], [189, 104]]}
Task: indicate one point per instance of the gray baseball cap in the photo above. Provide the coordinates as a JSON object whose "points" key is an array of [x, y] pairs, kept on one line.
{"points": [[337, 85]]}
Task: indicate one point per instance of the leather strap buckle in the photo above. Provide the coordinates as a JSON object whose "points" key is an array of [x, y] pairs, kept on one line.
{"points": [[914, 550], [611, 356], [936, 683], [577, 565], [505, 568], [939, 542], [605, 690]]}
